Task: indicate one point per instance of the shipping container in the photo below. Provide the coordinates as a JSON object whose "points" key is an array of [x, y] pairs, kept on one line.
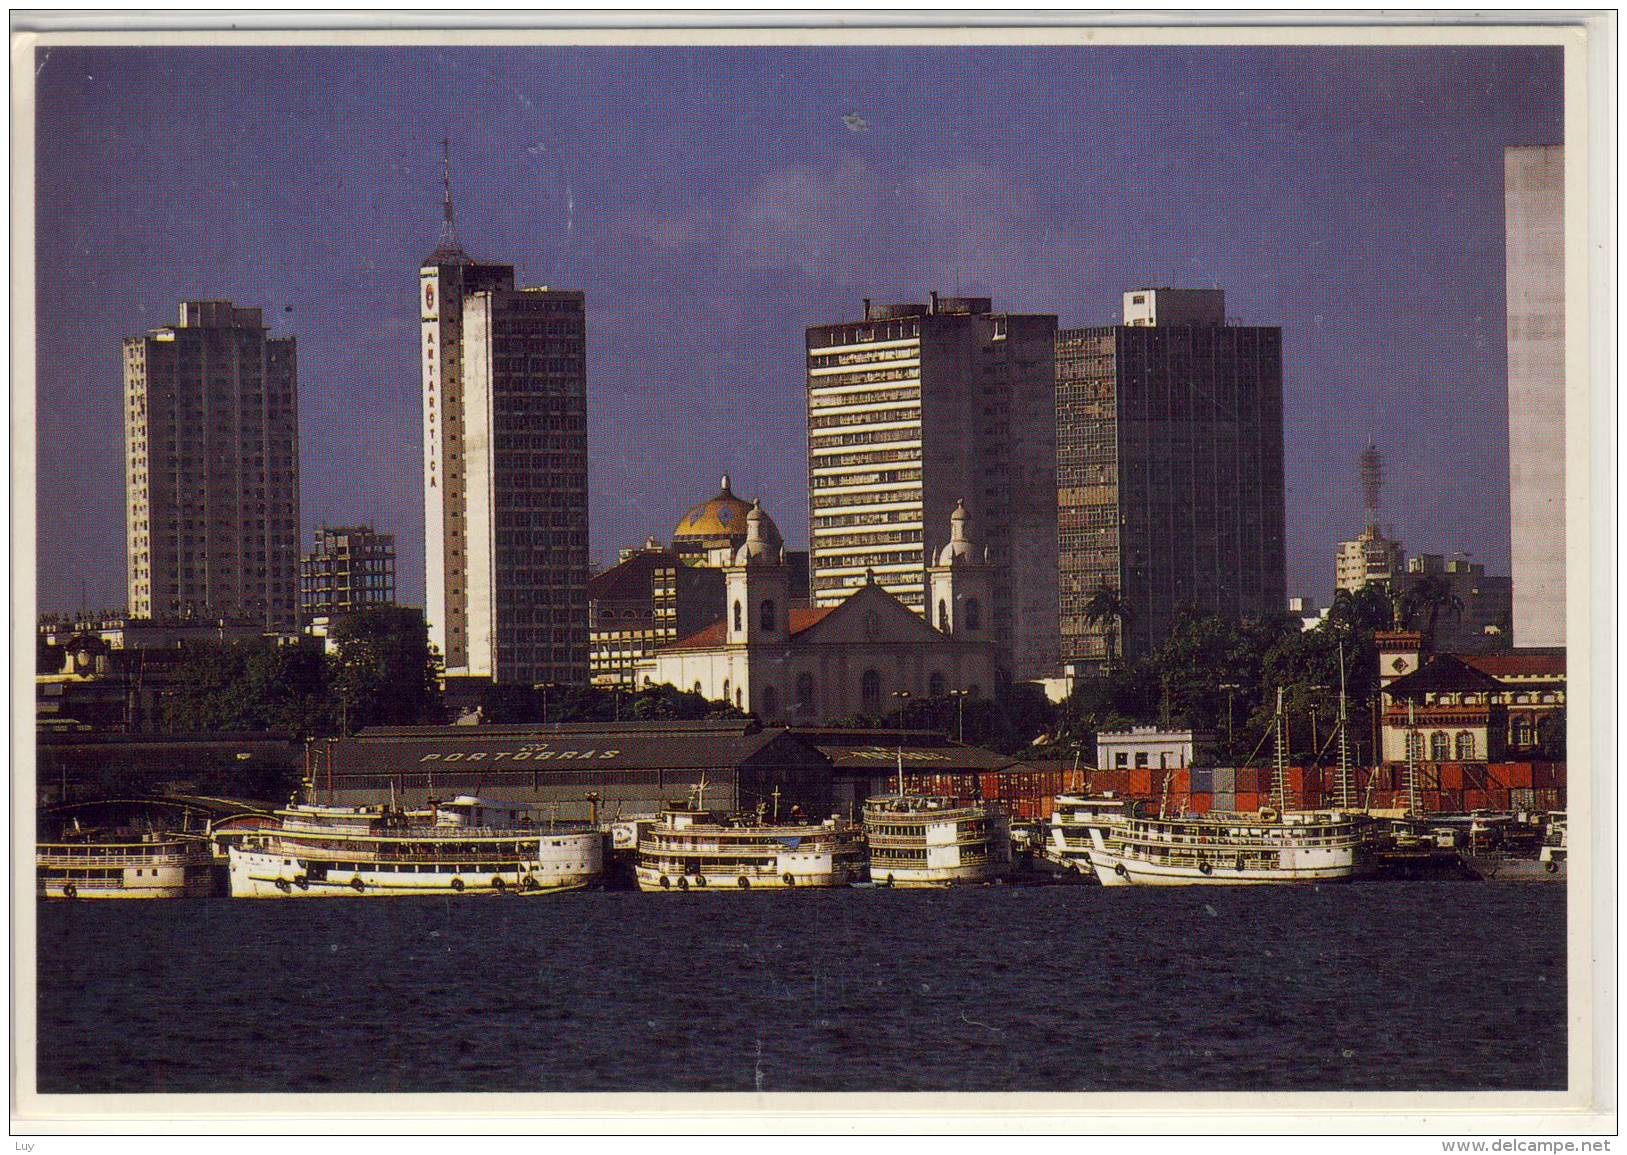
{"points": [[1200, 803], [1203, 781], [1141, 783], [1224, 801], [1452, 776], [1225, 778]]}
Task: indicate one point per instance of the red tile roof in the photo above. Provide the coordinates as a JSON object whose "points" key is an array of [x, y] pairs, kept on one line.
{"points": [[803, 618], [1515, 663]]}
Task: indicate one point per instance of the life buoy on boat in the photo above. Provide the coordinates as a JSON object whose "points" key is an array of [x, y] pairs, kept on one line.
{"points": [[457, 885], [69, 890], [744, 883]]}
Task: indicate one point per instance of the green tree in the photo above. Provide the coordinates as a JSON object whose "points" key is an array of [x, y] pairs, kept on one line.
{"points": [[255, 685], [1427, 600], [384, 671], [1108, 611]]}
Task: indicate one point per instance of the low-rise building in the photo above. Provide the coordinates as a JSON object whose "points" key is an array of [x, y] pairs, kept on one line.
{"points": [[1148, 747], [1468, 707], [650, 599]]}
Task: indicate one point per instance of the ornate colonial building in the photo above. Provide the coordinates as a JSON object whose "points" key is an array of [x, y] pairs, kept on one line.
{"points": [[786, 661], [1468, 707]]}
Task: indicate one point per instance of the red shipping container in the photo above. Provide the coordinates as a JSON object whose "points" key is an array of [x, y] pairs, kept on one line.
{"points": [[1200, 803], [1141, 783], [1452, 776], [1180, 781], [1517, 775], [1542, 775], [1248, 802]]}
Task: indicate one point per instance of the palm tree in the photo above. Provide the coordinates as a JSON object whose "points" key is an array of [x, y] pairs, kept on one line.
{"points": [[1430, 597], [1107, 608]]}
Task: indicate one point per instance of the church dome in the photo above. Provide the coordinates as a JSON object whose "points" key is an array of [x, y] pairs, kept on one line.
{"points": [[959, 551], [763, 545], [721, 516]]}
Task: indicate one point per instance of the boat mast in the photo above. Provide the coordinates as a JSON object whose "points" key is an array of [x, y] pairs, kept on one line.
{"points": [[1347, 793], [1412, 757], [1280, 758], [901, 771]]}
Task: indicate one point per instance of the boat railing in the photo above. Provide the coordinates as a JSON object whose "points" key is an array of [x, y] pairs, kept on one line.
{"points": [[103, 857]]}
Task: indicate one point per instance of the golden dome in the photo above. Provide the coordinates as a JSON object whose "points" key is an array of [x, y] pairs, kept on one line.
{"points": [[720, 516]]}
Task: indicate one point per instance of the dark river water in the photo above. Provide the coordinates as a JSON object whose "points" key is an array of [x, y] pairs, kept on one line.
{"points": [[1382, 986]]}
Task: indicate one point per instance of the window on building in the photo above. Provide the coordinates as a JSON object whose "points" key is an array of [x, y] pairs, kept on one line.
{"points": [[1522, 735], [1141, 760], [935, 686], [973, 615], [739, 617], [943, 616], [767, 617], [1121, 761], [771, 701], [1440, 747], [1465, 746], [725, 689], [870, 692], [805, 693]]}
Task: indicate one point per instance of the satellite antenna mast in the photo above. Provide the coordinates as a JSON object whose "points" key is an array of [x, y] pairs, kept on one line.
{"points": [[449, 228]]}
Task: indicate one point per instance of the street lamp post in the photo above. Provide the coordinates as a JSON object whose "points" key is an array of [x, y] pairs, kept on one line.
{"points": [[960, 714], [1230, 688], [903, 697]]}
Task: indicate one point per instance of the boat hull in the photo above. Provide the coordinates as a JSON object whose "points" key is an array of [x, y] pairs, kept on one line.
{"points": [[191, 883], [785, 875], [1127, 870], [910, 878], [261, 874]]}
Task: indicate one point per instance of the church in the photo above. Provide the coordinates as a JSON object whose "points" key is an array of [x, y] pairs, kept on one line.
{"points": [[786, 661]]}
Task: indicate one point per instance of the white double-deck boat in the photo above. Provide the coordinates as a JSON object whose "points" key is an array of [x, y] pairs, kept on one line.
{"points": [[116, 865], [689, 848], [458, 847], [1555, 852], [1073, 817], [1232, 849], [932, 841]]}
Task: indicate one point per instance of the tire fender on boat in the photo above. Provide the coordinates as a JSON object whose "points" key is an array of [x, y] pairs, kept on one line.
{"points": [[302, 882], [457, 885], [666, 883], [529, 882], [1551, 867], [282, 885], [700, 880], [1119, 869], [498, 884], [356, 884], [789, 879], [683, 883], [744, 883], [1205, 869], [69, 890]]}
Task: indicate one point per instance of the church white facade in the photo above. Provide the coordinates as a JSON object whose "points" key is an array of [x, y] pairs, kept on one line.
{"points": [[803, 664]]}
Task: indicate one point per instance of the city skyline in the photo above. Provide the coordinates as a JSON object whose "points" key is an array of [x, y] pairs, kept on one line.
{"points": [[706, 246]]}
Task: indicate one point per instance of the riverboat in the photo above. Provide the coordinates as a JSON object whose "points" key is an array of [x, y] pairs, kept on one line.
{"points": [[145, 864], [1555, 852], [933, 841], [459, 847], [1233, 849], [689, 848], [1073, 817]]}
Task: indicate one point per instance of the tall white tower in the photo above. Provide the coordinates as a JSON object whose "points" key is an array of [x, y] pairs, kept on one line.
{"points": [[960, 584]]}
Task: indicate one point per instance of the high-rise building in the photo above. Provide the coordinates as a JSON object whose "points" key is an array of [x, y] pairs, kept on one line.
{"points": [[1169, 472], [1534, 222], [1371, 559], [505, 470], [913, 409], [211, 450], [349, 568]]}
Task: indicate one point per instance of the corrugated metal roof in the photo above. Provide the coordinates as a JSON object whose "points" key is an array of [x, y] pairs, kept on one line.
{"points": [[586, 748]]}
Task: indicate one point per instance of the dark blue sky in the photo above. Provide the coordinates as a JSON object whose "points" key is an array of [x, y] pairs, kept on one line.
{"points": [[713, 203]]}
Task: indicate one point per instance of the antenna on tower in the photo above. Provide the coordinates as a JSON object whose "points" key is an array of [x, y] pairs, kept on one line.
{"points": [[449, 228], [1372, 482]]}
